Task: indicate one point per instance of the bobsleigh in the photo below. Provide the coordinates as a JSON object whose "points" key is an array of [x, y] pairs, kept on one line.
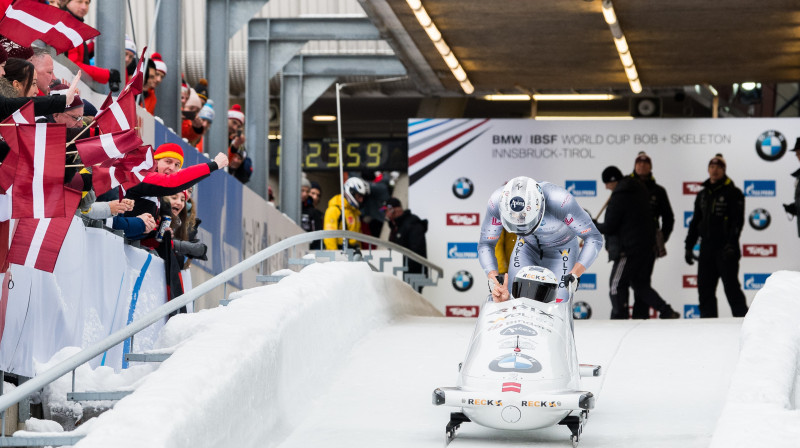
{"points": [[521, 369]]}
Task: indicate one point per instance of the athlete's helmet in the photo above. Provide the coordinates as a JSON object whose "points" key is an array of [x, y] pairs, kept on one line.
{"points": [[521, 205], [535, 282], [352, 186]]}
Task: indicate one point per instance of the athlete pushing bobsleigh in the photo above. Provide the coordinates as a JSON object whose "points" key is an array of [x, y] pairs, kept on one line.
{"points": [[521, 369]]}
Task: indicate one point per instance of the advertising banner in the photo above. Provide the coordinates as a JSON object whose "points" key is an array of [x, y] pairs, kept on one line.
{"points": [[455, 164]]}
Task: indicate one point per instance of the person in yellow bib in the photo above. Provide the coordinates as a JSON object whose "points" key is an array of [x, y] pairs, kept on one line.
{"points": [[353, 194]]}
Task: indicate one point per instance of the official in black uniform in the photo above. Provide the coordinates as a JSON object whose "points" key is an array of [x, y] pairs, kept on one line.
{"points": [[718, 220], [630, 240], [407, 230]]}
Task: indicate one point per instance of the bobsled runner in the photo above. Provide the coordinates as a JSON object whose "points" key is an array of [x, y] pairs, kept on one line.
{"points": [[521, 369]]}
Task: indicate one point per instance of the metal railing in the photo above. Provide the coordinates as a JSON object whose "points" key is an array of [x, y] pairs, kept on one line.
{"points": [[38, 382]]}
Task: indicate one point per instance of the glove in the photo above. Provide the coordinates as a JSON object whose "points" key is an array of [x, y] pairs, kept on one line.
{"points": [[790, 209], [689, 257], [113, 79], [191, 250], [571, 283]]}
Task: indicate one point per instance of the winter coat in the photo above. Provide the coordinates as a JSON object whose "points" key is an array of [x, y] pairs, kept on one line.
{"points": [[718, 217], [82, 54], [408, 230], [333, 221], [629, 227], [660, 206], [310, 221]]}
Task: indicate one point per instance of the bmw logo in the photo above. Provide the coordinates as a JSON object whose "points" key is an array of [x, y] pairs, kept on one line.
{"points": [[581, 310], [771, 145], [462, 281], [759, 219], [463, 188]]}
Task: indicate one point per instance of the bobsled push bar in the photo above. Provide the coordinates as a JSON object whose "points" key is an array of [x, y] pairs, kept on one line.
{"points": [[455, 396]]}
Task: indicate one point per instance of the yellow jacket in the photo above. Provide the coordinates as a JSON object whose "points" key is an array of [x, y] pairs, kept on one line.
{"points": [[503, 251], [333, 221]]}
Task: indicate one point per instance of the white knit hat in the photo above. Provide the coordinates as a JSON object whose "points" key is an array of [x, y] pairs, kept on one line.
{"points": [[130, 45]]}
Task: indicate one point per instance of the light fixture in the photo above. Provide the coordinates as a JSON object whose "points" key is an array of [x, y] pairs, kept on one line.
{"points": [[500, 97], [444, 50], [578, 117], [574, 97], [324, 118], [622, 47]]}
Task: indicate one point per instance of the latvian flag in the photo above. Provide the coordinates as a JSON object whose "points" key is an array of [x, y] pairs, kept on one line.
{"points": [[512, 387], [24, 115], [37, 242], [136, 83], [120, 115], [98, 149], [39, 181], [125, 172], [28, 20]]}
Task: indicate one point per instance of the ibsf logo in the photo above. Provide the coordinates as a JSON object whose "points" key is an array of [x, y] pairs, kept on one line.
{"points": [[692, 187], [462, 250], [759, 219], [461, 311], [462, 219], [588, 281], [690, 281], [691, 311], [581, 310], [462, 281], [517, 204], [581, 188], [687, 218], [771, 145], [755, 281], [760, 250], [463, 188], [759, 188]]}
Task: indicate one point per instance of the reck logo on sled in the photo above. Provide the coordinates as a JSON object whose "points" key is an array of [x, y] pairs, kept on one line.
{"points": [[760, 250], [759, 188], [462, 250], [755, 281], [462, 219], [581, 188]]}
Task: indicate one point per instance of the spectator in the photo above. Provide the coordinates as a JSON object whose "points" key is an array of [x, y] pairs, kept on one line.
{"points": [[792, 208], [353, 193], [156, 70], [202, 90], [73, 113], [183, 222], [192, 126], [44, 105], [662, 215], [22, 76], [407, 230], [379, 193], [43, 63], [310, 217], [206, 115], [241, 167], [82, 54], [630, 241], [130, 58], [717, 221], [315, 193]]}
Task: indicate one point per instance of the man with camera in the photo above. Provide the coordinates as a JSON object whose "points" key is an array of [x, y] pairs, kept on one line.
{"points": [[240, 166]]}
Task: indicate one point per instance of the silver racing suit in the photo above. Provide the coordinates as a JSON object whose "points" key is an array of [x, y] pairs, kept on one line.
{"points": [[553, 245]]}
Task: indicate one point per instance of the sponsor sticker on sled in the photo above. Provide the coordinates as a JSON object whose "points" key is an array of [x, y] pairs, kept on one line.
{"points": [[755, 281], [462, 219], [760, 250], [461, 310], [512, 387]]}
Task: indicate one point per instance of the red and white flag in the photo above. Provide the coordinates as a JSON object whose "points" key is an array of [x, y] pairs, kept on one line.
{"points": [[37, 242], [27, 20], [136, 83], [125, 172], [24, 115], [512, 387], [39, 182], [94, 150], [120, 115]]}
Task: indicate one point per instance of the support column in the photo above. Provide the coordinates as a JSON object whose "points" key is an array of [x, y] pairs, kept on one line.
{"points": [[168, 40], [257, 101], [216, 139], [291, 138], [110, 48]]}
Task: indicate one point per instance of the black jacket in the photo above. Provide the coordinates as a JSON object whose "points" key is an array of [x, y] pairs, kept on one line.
{"points": [[718, 216], [629, 226], [408, 231], [310, 221], [796, 202], [659, 205]]}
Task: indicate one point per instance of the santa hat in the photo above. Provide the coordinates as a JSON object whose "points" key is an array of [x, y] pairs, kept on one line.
{"points": [[184, 87], [236, 113], [160, 65], [130, 45], [169, 150], [61, 89]]}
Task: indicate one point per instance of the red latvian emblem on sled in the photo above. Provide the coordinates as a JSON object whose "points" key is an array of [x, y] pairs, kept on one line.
{"points": [[512, 387]]}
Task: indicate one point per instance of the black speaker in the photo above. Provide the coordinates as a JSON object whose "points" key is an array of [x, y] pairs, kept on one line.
{"points": [[645, 107]]}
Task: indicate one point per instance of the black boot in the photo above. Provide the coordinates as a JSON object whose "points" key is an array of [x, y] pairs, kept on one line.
{"points": [[669, 313]]}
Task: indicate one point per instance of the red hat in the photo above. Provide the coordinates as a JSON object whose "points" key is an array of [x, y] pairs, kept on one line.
{"points": [[169, 150], [160, 65], [15, 50], [61, 89], [236, 113]]}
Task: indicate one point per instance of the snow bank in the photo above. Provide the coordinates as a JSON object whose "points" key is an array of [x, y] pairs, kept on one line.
{"points": [[277, 346], [762, 404]]}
